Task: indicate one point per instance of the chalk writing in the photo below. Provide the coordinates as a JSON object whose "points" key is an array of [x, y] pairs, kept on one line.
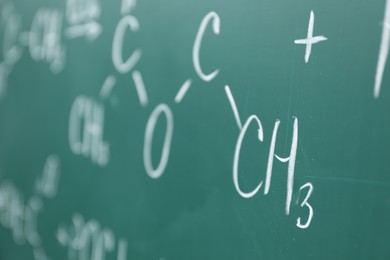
{"points": [[86, 125], [310, 40], [88, 240], [44, 39], [383, 52], [212, 16]]}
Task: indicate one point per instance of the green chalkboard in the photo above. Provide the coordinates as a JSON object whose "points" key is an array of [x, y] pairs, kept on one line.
{"points": [[200, 129]]}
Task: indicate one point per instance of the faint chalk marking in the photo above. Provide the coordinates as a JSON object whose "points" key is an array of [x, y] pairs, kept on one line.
{"points": [[122, 249], [140, 87], [127, 6], [62, 236], [234, 106], [47, 184], [3, 80], [183, 90], [310, 40], [383, 51], [107, 87], [90, 30]]}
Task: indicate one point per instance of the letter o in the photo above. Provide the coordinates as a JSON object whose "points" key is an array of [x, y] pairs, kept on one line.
{"points": [[149, 133]]}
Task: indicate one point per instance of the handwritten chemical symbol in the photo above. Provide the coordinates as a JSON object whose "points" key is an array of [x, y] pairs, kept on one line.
{"points": [[82, 17], [88, 240], [21, 215], [44, 42], [243, 128]]}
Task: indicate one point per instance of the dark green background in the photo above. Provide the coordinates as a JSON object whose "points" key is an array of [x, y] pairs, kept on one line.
{"points": [[193, 211]]}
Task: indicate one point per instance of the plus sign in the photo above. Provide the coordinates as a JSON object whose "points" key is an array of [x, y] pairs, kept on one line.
{"points": [[310, 40]]}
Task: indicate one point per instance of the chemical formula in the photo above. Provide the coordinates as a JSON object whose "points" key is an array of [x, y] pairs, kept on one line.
{"points": [[43, 41]]}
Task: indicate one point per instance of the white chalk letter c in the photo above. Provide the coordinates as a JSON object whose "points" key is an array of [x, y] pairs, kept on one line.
{"points": [[246, 195], [198, 40], [117, 46]]}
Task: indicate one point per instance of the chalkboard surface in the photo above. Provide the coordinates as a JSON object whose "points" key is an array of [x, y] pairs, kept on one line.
{"points": [[200, 129]]}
